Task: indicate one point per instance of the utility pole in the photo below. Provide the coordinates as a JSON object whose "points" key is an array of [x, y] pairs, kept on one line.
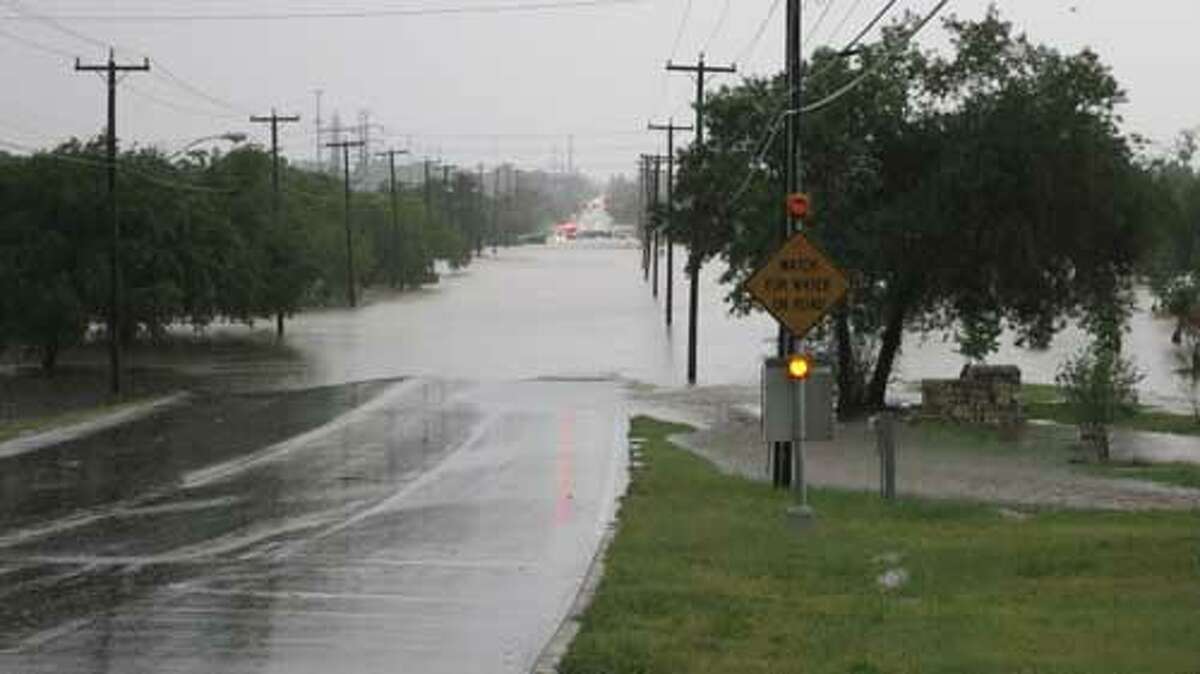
{"points": [[345, 146], [114, 244], [318, 93], [428, 185], [481, 214], [391, 156], [654, 198], [516, 208], [794, 166], [670, 128], [647, 220], [446, 205], [701, 69], [641, 211], [274, 120], [428, 189], [495, 209]]}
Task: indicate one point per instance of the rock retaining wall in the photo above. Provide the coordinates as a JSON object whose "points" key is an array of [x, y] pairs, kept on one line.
{"points": [[985, 395]]}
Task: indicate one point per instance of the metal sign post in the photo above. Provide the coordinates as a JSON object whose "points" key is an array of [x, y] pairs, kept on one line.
{"points": [[798, 286]]}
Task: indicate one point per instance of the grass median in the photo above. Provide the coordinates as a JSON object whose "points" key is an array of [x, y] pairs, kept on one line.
{"points": [[708, 573]]}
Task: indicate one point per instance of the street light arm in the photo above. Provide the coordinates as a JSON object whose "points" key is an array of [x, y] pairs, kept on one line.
{"points": [[231, 136]]}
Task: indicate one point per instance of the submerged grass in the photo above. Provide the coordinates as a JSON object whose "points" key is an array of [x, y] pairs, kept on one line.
{"points": [[1174, 474], [709, 574], [1044, 401]]}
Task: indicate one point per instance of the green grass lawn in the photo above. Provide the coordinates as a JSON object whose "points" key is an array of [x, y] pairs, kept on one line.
{"points": [[708, 573]]}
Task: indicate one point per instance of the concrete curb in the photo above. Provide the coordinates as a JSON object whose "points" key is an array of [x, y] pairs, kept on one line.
{"points": [[57, 436], [550, 657], [553, 652]]}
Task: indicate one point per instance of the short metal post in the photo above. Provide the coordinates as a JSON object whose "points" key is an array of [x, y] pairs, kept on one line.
{"points": [[885, 430]]}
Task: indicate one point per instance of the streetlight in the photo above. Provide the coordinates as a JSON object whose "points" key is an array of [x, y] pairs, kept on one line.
{"points": [[234, 137]]}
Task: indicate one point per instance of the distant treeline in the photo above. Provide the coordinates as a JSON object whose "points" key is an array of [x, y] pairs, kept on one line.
{"points": [[200, 239]]}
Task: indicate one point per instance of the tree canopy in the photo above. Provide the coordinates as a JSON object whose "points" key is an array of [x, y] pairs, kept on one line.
{"points": [[984, 186], [200, 240]]}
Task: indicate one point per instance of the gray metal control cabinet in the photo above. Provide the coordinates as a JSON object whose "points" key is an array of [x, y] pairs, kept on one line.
{"points": [[783, 398]]}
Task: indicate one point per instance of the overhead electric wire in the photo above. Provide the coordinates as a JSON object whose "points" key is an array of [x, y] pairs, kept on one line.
{"points": [[123, 168], [33, 44], [719, 25], [887, 7], [758, 35], [845, 19], [876, 67], [687, 13], [160, 69], [169, 76], [24, 13], [812, 31], [772, 130], [178, 107], [514, 7]]}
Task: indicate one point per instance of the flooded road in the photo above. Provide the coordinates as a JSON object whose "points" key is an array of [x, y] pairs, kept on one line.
{"points": [[585, 312], [436, 527], [418, 485]]}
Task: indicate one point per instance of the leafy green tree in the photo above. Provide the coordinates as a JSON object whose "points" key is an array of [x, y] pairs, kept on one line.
{"points": [[50, 255], [989, 185]]}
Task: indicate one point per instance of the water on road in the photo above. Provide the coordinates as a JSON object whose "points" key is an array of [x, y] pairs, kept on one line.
{"points": [[417, 485]]}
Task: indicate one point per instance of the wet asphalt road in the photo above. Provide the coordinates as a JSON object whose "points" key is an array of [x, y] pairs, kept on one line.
{"points": [[393, 491], [404, 526]]}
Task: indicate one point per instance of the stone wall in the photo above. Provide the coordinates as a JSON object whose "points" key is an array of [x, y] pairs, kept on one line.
{"points": [[985, 395]]}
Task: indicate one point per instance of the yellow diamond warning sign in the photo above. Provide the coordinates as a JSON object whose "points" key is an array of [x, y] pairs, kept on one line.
{"points": [[798, 285]]}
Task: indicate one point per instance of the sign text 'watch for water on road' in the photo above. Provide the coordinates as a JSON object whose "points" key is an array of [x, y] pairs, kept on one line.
{"points": [[798, 285]]}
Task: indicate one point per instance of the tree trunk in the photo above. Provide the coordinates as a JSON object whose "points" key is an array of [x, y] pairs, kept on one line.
{"points": [[893, 334], [49, 353], [1094, 436], [850, 385]]}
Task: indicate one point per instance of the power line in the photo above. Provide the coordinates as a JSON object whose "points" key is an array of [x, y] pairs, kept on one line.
{"points": [[687, 13], [820, 20], [853, 84], [772, 130], [178, 107], [126, 169], [758, 35], [24, 13], [720, 24], [178, 81], [161, 71], [845, 19], [516, 7], [887, 7], [33, 44]]}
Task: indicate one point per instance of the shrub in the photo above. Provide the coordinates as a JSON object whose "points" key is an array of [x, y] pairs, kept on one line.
{"points": [[1100, 387]]}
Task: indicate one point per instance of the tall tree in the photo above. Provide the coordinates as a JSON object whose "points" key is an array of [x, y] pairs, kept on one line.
{"points": [[986, 186]]}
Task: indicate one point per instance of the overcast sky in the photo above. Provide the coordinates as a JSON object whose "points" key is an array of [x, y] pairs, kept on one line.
{"points": [[493, 86]]}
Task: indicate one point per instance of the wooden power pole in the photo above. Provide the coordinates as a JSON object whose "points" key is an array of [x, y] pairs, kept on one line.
{"points": [[396, 259], [110, 69], [345, 146], [275, 120], [700, 70], [670, 128]]}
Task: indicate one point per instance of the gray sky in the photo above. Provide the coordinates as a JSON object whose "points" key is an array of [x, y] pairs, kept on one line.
{"points": [[490, 87]]}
